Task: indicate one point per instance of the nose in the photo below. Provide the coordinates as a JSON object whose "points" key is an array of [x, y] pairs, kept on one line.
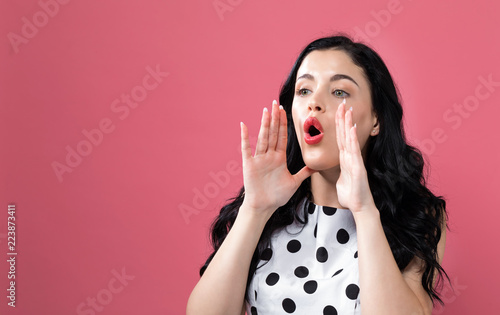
{"points": [[315, 105]]}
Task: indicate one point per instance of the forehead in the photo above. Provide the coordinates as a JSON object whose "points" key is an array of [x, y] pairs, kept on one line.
{"points": [[321, 63]]}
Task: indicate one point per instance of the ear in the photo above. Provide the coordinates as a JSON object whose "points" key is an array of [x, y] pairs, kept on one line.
{"points": [[376, 126]]}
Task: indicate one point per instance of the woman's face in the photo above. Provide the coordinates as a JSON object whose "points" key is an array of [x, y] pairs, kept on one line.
{"points": [[324, 79]]}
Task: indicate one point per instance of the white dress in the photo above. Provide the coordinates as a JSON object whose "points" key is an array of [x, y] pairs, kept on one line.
{"points": [[309, 269]]}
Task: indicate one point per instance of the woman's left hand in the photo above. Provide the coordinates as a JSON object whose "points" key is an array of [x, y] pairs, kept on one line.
{"points": [[353, 190]]}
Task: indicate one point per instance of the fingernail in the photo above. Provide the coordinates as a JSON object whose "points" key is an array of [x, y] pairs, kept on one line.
{"points": [[354, 125], [265, 109], [274, 102], [281, 106], [343, 101], [350, 108]]}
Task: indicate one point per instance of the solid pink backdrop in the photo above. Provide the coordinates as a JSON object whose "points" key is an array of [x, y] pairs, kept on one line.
{"points": [[120, 135]]}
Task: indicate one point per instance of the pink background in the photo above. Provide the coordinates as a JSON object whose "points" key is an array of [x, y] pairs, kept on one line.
{"points": [[141, 199]]}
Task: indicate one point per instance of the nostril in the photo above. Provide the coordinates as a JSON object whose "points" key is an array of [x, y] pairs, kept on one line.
{"points": [[314, 106]]}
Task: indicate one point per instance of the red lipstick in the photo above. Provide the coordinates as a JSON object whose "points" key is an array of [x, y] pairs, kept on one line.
{"points": [[313, 131]]}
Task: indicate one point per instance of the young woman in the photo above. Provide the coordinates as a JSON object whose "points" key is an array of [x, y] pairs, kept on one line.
{"points": [[334, 216]]}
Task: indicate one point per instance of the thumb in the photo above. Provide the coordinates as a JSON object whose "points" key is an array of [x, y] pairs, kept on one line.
{"points": [[304, 173]]}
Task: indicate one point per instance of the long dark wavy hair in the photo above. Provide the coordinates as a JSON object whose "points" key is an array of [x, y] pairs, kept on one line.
{"points": [[412, 216]]}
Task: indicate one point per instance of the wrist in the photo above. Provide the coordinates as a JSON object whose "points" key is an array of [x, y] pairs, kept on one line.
{"points": [[255, 215], [368, 213]]}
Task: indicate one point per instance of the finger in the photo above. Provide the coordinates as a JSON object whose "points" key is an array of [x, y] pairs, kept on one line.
{"points": [[355, 146], [246, 150], [263, 139], [273, 130], [304, 173], [357, 159], [283, 132], [348, 126], [339, 125]]}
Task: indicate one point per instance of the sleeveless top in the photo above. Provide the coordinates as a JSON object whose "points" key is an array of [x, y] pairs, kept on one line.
{"points": [[309, 269]]}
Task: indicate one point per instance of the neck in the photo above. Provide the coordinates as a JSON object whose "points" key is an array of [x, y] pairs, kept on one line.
{"points": [[323, 187]]}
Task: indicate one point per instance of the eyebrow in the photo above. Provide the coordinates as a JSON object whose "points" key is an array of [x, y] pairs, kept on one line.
{"points": [[335, 77]]}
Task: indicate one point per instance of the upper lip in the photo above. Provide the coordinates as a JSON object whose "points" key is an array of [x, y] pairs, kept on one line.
{"points": [[312, 121]]}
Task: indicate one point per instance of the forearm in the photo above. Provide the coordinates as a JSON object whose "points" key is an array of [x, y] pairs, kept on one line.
{"points": [[222, 287], [383, 289]]}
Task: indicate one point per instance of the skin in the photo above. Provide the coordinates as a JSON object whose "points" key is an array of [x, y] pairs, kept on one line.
{"points": [[338, 179], [317, 96]]}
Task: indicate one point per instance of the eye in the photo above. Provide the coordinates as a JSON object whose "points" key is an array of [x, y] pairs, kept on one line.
{"points": [[303, 92], [340, 93]]}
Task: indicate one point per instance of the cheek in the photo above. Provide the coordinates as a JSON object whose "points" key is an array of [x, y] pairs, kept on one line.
{"points": [[296, 120], [365, 127]]}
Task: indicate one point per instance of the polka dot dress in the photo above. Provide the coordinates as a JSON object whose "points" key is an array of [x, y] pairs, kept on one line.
{"points": [[309, 269]]}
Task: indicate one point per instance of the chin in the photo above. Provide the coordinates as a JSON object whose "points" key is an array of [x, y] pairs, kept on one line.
{"points": [[322, 165], [320, 158]]}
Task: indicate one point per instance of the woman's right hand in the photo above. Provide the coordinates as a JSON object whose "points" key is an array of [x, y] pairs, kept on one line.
{"points": [[268, 183]]}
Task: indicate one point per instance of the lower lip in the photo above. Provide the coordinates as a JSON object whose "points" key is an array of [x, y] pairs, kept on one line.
{"points": [[313, 140]]}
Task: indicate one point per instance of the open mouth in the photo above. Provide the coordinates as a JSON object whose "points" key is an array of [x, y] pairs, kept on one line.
{"points": [[313, 131]]}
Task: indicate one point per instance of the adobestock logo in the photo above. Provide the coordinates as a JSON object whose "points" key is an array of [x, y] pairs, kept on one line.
{"points": [[122, 107], [209, 191], [458, 112], [449, 294], [223, 6], [105, 296], [219, 180], [31, 27], [381, 19]]}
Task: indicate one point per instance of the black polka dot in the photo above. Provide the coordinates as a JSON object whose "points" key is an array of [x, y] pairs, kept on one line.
{"points": [[342, 236], [272, 278], [322, 254], [315, 230], [253, 310], [329, 310], [311, 208], [293, 246], [289, 305], [255, 295], [329, 210], [352, 291], [310, 286], [301, 272], [356, 254], [266, 254], [337, 272]]}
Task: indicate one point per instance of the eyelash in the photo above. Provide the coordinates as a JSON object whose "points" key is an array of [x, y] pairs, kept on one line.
{"points": [[299, 92]]}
